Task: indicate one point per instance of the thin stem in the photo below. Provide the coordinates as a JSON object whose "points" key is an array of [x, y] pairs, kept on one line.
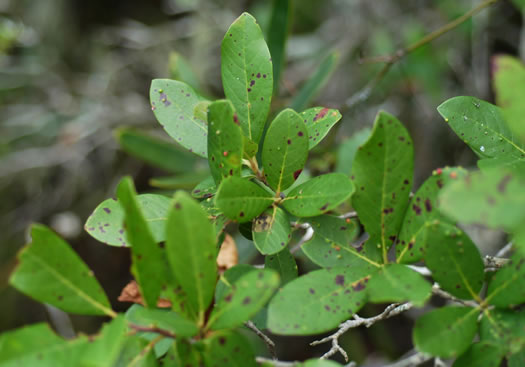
{"points": [[153, 329], [269, 342]]}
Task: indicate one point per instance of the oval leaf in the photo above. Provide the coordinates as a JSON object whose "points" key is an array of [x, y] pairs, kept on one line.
{"points": [[162, 319], [318, 301], [105, 223], [242, 200], [285, 150], [245, 298], [318, 195], [191, 251], [228, 349], [454, 260], [319, 121], [481, 125], [507, 287], [51, 272], [446, 332], [225, 141], [246, 70], [173, 103], [271, 231], [480, 355], [284, 264]]}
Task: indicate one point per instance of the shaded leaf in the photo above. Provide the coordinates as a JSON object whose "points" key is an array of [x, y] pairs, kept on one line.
{"points": [[184, 181], [398, 283], [280, 22], [347, 150], [494, 197], [204, 189], [242, 200], [318, 195], [228, 349], [245, 298], [173, 103], [137, 352], [285, 150], [332, 243], [454, 260], [319, 121], [51, 272], [316, 82], [162, 319], [246, 70], [271, 231], [382, 174], [480, 355], [504, 328], [191, 251], [229, 277], [481, 125], [318, 301], [509, 85], [318, 363], [225, 141], [423, 209], [284, 264], [155, 151], [445, 332], [105, 224], [507, 286]]}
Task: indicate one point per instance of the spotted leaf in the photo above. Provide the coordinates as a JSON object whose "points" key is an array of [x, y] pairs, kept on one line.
{"points": [[285, 150], [318, 195], [162, 319], [271, 231], [319, 121], [246, 70], [228, 349], [507, 287], [284, 264], [382, 174], [173, 103]]}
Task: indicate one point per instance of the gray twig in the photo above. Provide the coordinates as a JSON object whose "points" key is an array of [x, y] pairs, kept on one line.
{"points": [[441, 293], [269, 342]]}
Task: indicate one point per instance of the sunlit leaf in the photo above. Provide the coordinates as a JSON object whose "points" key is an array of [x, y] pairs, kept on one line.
{"points": [[271, 231], [319, 121]]}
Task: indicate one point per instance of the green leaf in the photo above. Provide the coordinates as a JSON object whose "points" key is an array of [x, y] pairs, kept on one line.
{"points": [[246, 70], [454, 260], [105, 224], [250, 148], [191, 251], [318, 363], [173, 103], [319, 121], [332, 243], [509, 86], [507, 287], [382, 173], [228, 349], [348, 148], [271, 231], [481, 125], [184, 181], [181, 70], [51, 272], [155, 151], [318, 301], [225, 141], [504, 328], [423, 209], [398, 283], [280, 22], [285, 150], [494, 197], [316, 82], [284, 263], [137, 352], [246, 297], [480, 355], [229, 277], [242, 200], [446, 332], [514, 165], [184, 354], [148, 259], [162, 319], [318, 195], [205, 189]]}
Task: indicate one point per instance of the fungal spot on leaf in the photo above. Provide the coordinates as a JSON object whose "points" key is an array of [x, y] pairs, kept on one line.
{"points": [[289, 142], [312, 291], [502, 185], [340, 279], [262, 223], [236, 118], [107, 210], [222, 340], [246, 301], [297, 173], [300, 133], [241, 214], [252, 83], [323, 208], [178, 206], [229, 297], [327, 308], [321, 114], [406, 181], [428, 205], [416, 209]]}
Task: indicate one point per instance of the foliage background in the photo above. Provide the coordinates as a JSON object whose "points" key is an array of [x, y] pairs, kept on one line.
{"points": [[72, 71]]}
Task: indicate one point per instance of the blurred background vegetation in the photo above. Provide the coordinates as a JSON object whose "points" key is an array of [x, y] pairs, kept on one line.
{"points": [[74, 71]]}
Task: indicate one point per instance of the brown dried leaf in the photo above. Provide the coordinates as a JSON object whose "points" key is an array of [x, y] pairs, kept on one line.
{"points": [[131, 293], [228, 255]]}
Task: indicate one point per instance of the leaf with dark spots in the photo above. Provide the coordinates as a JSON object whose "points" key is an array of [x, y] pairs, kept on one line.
{"points": [[413, 236], [107, 227], [48, 267], [454, 260], [468, 201], [326, 192], [162, 319], [284, 264], [176, 116], [250, 98], [507, 287], [284, 151], [271, 231], [398, 283], [236, 195], [383, 180], [340, 279], [319, 121], [295, 310], [252, 291], [225, 141], [228, 349]]}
